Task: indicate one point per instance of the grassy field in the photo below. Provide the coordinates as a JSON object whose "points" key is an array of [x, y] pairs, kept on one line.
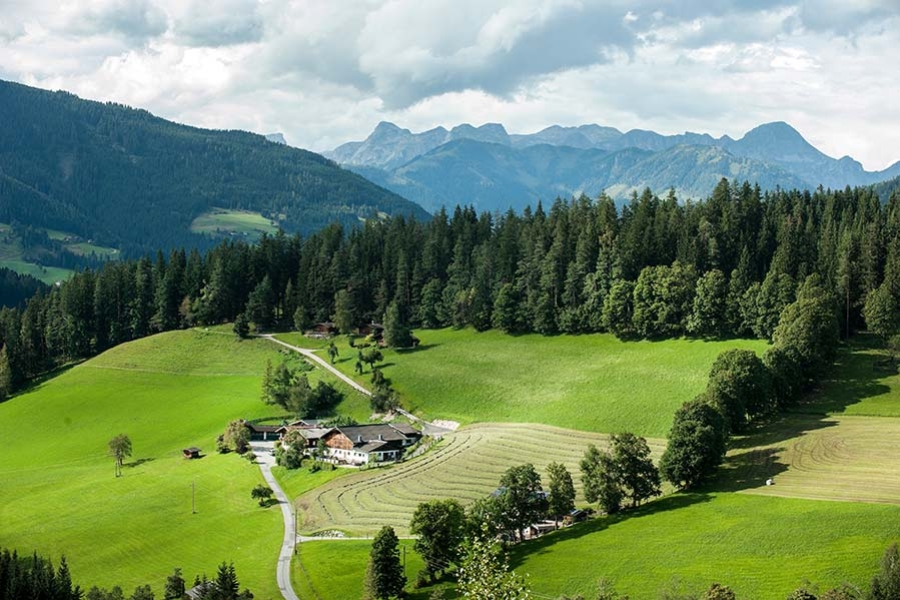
{"points": [[589, 383], [325, 570], [220, 222], [466, 465], [167, 392], [762, 547]]}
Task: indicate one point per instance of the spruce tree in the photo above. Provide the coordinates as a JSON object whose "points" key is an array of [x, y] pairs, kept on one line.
{"points": [[384, 575]]}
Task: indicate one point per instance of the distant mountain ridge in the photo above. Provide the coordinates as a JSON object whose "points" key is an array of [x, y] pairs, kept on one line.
{"points": [[493, 169], [127, 179]]}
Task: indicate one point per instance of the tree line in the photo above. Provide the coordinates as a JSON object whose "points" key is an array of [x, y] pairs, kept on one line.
{"points": [[35, 577], [655, 267]]}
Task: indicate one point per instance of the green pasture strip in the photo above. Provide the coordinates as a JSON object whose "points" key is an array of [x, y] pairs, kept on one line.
{"points": [[220, 220], [588, 383]]}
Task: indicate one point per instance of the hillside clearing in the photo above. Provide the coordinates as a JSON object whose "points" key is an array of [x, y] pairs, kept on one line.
{"points": [[589, 382], [224, 222]]}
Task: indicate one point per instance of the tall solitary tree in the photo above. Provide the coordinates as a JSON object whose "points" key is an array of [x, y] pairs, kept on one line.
{"points": [[120, 449], [638, 475], [561, 490], [6, 379], [384, 575]]}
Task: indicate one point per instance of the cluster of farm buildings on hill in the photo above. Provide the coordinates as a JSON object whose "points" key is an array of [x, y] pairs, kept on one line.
{"points": [[352, 445]]}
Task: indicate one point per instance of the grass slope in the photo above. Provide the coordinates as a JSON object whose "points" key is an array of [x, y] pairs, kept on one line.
{"points": [[467, 465], [166, 392], [220, 221], [589, 382], [324, 570], [761, 547]]}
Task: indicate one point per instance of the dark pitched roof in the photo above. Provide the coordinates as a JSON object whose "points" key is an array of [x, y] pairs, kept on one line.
{"points": [[360, 434], [406, 429]]}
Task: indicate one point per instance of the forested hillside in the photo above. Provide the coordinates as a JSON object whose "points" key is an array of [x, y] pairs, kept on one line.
{"points": [[655, 268], [124, 178], [15, 289]]}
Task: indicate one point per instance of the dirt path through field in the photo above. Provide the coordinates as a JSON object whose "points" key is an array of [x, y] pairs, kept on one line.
{"points": [[436, 429]]}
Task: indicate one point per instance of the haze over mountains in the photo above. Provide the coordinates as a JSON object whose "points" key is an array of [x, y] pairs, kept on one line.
{"points": [[494, 170]]}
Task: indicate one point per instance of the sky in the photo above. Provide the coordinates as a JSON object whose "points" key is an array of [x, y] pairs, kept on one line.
{"points": [[324, 72]]}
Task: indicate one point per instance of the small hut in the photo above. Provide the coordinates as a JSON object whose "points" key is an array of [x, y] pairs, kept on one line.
{"points": [[192, 452]]}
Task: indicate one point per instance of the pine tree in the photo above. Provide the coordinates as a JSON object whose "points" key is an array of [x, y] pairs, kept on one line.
{"points": [[6, 380], [384, 574]]}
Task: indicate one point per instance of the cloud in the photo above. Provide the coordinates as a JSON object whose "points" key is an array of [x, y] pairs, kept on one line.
{"points": [[230, 22], [324, 72], [135, 19]]}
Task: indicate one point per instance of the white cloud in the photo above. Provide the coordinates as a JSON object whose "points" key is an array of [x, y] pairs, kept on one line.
{"points": [[324, 72]]}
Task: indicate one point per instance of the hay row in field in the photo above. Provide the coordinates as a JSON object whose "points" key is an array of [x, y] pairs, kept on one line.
{"points": [[466, 466]]}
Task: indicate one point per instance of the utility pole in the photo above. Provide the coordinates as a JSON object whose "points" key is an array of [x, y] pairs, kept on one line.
{"points": [[193, 499]]}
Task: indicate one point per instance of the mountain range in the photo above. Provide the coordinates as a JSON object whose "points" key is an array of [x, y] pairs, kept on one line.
{"points": [[124, 178], [494, 170]]}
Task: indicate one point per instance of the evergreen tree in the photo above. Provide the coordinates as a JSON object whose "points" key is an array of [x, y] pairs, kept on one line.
{"points": [[384, 574], [6, 375], [396, 330]]}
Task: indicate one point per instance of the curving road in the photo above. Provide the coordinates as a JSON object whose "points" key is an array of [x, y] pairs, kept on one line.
{"points": [[265, 460], [428, 428]]}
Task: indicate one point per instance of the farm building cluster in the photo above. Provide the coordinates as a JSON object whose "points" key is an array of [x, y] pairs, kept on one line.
{"points": [[347, 445]]}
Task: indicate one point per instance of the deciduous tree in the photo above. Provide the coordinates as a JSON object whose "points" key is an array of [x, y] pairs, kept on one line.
{"points": [[561, 490], [440, 525], [120, 449]]}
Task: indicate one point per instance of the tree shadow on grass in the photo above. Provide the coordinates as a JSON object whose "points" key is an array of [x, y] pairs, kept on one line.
{"points": [[137, 463], [416, 349], [544, 544], [37, 383]]}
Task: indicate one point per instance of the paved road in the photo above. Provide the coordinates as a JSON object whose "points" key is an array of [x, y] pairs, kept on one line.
{"points": [[428, 428], [265, 460], [321, 362]]}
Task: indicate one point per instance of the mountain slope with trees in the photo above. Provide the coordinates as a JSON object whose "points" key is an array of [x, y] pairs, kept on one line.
{"points": [[129, 180]]}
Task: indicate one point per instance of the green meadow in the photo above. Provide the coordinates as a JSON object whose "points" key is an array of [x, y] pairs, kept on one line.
{"points": [[763, 548], [167, 392], [220, 221], [589, 383]]}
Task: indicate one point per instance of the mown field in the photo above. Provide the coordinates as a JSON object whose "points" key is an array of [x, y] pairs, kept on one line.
{"points": [[589, 383], [466, 465], [167, 392], [220, 221]]}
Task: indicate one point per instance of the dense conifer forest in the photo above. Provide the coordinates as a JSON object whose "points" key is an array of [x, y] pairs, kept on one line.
{"points": [[133, 181], [727, 266]]}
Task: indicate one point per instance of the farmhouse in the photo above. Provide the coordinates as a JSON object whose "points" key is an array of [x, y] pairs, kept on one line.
{"points": [[367, 444], [263, 432], [322, 330]]}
